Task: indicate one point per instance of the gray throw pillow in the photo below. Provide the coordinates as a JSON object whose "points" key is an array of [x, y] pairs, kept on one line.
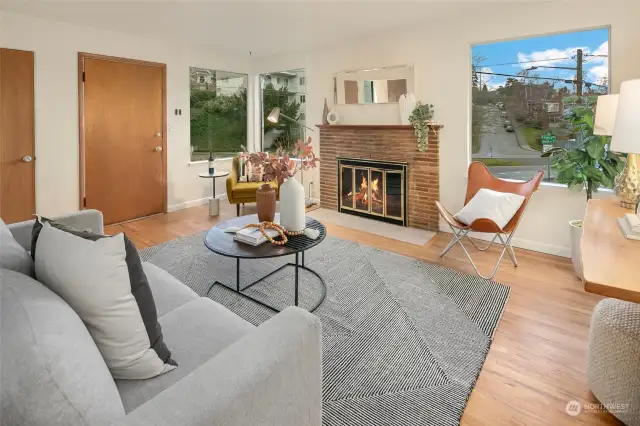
{"points": [[92, 275], [12, 255]]}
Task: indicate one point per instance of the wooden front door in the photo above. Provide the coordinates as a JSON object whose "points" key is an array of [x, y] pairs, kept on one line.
{"points": [[17, 140], [123, 121]]}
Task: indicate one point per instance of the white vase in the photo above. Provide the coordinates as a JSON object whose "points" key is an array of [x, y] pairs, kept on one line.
{"points": [[292, 214], [406, 104], [576, 252]]}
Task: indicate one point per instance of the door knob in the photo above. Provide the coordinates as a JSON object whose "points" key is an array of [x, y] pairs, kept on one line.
{"points": [[158, 149], [27, 159], [158, 135]]}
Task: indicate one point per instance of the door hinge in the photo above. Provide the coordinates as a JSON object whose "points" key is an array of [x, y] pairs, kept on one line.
{"points": [[84, 202], [84, 76]]}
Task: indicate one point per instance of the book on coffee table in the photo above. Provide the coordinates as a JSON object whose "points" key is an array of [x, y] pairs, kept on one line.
{"points": [[253, 236]]}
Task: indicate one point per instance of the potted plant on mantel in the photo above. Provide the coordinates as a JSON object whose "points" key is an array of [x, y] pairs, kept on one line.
{"points": [[420, 119], [589, 166]]}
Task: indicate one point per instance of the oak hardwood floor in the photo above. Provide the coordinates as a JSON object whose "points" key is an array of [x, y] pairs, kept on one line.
{"points": [[537, 362]]}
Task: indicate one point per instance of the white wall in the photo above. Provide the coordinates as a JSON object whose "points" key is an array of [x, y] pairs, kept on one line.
{"points": [[441, 53], [56, 46]]}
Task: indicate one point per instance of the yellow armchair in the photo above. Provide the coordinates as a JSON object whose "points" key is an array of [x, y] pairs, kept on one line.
{"points": [[243, 192]]}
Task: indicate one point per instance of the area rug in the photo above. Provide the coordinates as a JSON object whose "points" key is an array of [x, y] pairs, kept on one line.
{"points": [[403, 340]]}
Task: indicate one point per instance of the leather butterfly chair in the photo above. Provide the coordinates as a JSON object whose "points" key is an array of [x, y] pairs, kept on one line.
{"points": [[480, 177]]}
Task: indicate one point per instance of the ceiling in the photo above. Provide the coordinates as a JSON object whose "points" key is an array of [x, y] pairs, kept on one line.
{"points": [[262, 27]]}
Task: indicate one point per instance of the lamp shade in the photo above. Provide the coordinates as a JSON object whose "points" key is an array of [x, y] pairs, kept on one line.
{"points": [[626, 132], [274, 115], [606, 109]]}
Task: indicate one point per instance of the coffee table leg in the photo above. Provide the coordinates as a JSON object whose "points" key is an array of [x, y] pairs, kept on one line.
{"points": [[296, 290], [238, 274], [303, 258]]}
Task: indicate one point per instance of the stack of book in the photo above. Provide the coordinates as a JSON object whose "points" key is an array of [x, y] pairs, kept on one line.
{"points": [[253, 236], [630, 226]]}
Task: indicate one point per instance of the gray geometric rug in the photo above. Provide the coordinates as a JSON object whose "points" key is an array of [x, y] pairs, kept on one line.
{"points": [[403, 340]]}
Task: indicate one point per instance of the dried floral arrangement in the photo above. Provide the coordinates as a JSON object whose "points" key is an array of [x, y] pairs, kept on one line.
{"points": [[281, 166]]}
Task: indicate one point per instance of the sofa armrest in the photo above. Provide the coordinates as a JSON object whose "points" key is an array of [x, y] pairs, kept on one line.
{"points": [[272, 376], [84, 219]]}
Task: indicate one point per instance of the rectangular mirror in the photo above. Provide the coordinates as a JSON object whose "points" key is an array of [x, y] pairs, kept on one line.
{"points": [[373, 86]]}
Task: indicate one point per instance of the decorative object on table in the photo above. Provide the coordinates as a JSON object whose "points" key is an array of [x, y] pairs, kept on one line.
{"points": [[214, 202], [211, 163], [406, 105], [379, 300], [266, 203], [614, 344], [282, 168], [420, 120], [257, 234], [325, 112], [332, 117], [629, 225], [626, 138], [479, 178], [589, 166]]}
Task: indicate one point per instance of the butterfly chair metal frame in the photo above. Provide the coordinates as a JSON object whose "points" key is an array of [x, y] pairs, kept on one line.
{"points": [[480, 177]]}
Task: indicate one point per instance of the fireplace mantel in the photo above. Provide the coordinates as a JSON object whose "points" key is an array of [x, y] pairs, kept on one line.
{"points": [[374, 126], [387, 143]]}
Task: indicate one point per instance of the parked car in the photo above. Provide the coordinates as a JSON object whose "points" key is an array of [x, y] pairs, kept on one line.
{"points": [[507, 123], [500, 105], [510, 129], [503, 114]]}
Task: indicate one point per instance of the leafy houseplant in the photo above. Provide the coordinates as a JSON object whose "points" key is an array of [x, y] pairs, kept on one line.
{"points": [[589, 166], [419, 119]]}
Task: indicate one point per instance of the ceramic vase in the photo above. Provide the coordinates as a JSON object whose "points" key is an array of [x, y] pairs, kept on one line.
{"points": [[292, 214], [266, 203], [406, 105], [325, 112]]}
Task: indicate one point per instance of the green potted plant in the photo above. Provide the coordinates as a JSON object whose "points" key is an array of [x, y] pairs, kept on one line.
{"points": [[420, 119], [589, 166]]}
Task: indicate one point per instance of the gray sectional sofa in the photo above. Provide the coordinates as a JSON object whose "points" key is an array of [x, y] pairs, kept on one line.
{"points": [[230, 372]]}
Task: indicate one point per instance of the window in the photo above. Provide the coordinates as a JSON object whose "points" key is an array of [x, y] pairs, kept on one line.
{"points": [[522, 91], [286, 81], [301, 81], [286, 132], [218, 112]]}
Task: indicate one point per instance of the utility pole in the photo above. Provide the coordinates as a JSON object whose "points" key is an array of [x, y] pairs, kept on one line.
{"points": [[579, 74]]}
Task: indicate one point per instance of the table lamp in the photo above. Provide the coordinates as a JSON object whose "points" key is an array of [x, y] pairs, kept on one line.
{"points": [[606, 109], [626, 138]]}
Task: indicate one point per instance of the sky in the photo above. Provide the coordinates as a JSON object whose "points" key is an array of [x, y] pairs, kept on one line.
{"points": [[559, 50]]}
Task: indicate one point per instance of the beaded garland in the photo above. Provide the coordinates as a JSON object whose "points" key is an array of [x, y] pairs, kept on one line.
{"points": [[281, 231]]}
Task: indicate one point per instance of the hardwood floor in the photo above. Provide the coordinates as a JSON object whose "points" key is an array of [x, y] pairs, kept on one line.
{"points": [[537, 362]]}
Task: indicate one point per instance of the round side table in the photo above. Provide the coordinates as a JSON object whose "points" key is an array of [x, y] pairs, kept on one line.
{"points": [[214, 202]]}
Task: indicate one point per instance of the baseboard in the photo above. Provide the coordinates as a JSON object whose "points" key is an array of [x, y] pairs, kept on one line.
{"points": [[193, 203], [528, 245]]}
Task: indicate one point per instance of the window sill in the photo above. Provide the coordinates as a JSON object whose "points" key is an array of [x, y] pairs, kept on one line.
{"points": [[201, 162]]}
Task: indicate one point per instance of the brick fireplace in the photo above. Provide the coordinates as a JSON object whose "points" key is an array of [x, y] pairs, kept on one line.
{"points": [[383, 143]]}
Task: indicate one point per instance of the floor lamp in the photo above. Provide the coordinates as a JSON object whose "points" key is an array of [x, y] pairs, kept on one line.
{"points": [[274, 117]]}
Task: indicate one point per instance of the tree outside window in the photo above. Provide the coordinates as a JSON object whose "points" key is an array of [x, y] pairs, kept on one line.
{"points": [[285, 133], [218, 112]]}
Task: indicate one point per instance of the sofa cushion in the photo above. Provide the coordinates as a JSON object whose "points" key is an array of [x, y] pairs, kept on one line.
{"points": [[93, 276], [198, 330], [12, 255], [168, 292], [52, 371]]}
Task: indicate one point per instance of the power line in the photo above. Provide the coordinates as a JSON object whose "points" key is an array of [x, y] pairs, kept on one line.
{"points": [[540, 60], [572, 81]]}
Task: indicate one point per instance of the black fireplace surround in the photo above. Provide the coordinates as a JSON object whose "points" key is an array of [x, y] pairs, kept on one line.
{"points": [[373, 189]]}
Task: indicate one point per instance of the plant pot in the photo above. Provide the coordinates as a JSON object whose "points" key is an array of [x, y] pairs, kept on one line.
{"points": [[292, 214], [266, 203], [576, 252]]}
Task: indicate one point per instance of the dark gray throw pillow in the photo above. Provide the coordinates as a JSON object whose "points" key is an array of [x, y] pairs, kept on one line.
{"points": [[140, 288]]}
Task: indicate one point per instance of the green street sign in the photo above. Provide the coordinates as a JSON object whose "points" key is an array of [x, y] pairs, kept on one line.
{"points": [[548, 139]]}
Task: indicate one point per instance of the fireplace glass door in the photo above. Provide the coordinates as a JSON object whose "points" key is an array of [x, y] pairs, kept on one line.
{"points": [[362, 189], [346, 180], [377, 191], [395, 194]]}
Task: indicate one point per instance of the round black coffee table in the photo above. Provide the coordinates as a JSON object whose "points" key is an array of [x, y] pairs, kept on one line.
{"points": [[222, 243]]}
